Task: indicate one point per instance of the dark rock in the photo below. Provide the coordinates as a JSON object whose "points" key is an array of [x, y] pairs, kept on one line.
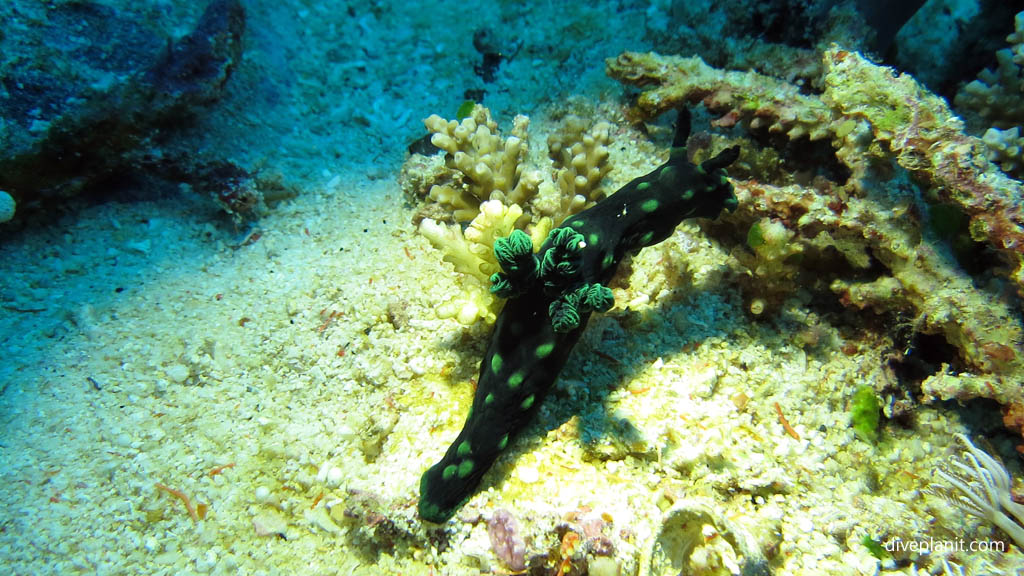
{"points": [[98, 91]]}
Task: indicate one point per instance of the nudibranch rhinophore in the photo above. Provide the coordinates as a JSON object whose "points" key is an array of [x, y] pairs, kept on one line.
{"points": [[550, 296]]}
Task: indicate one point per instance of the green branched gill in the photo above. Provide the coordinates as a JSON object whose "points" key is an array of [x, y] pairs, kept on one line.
{"points": [[550, 296], [560, 265], [519, 266], [565, 311]]}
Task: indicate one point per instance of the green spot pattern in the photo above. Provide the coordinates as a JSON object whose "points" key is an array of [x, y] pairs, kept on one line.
{"points": [[515, 380]]}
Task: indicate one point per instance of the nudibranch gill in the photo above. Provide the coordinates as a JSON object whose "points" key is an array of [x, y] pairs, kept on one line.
{"points": [[550, 296]]}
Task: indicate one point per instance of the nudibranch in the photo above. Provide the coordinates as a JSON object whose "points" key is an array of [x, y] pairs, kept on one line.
{"points": [[550, 296]]}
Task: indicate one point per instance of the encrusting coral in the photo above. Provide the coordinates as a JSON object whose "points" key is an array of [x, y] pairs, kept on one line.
{"points": [[875, 119]]}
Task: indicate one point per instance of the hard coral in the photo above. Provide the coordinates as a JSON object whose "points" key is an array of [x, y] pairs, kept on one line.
{"points": [[879, 122], [471, 252], [487, 167], [672, 82], [485, 180], [580, 160], [771, 262], [929, 141], [1006, 148], [995, 95], [868, 111]]}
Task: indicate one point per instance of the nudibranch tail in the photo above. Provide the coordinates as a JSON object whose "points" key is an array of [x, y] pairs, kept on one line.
{"points": [[522, 360], [551, 295]]}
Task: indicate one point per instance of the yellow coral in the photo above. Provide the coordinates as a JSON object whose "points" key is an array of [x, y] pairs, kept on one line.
{"points": [[488, 167], [580, 160], [472, 254]]}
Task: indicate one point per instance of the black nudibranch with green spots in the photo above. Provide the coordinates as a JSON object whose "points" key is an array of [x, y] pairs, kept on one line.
{"points": [[550, 297]]}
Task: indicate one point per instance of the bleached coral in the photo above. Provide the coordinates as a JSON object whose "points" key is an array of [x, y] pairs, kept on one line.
{"points": [[472, 255]]}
